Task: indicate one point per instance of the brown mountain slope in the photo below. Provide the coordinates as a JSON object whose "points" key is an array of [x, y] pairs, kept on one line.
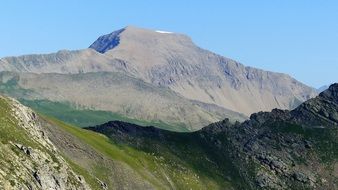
{"points": [[118, 93], [166, 60], [173, 60]]}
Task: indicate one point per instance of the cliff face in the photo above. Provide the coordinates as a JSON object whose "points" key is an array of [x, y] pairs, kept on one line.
{"points": [[28, 159]]}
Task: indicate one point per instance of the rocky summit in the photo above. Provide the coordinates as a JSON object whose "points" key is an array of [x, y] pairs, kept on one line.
{"points": [[174, 61]]}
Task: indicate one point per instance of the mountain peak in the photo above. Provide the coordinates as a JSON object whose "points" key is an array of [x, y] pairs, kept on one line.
{"points": [[331, 93], [333, 87], [108, 41], [132, 34], [320, 110]]}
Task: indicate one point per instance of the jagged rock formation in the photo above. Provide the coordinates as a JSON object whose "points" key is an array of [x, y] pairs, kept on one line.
{"points": [[28, 159], [161, 60], [273, 150], [295, 149]]}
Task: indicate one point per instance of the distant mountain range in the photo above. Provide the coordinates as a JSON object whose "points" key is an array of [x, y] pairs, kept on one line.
{"points": [[147, 77]]}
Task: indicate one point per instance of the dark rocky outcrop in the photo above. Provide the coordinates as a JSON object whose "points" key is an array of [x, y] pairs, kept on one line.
{"points": [[107, 42], [272, 150]]}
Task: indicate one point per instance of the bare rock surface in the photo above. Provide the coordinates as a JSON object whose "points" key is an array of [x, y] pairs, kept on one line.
{"points": [[29, 160]]}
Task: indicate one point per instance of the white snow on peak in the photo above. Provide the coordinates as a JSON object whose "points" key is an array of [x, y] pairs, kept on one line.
{"points": [[163, 32]]}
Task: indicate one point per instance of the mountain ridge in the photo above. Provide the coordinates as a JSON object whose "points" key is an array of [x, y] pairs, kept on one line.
{"points": [[273, 150]]}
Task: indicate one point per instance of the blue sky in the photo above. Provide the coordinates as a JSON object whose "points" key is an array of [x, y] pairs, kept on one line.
{"points": [[295, 37]]}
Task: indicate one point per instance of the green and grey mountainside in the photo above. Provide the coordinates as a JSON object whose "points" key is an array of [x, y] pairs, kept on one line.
{"points": [[28, 159], [273, 150], [166, 72]]}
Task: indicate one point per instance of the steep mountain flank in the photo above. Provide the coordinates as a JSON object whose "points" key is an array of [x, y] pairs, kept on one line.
{"points": [[28, 159], [173, 60], [273, 150]]}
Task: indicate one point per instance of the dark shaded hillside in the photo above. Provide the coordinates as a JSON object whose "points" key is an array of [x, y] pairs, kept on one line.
{"points": [[273, 150], [179, 150]]}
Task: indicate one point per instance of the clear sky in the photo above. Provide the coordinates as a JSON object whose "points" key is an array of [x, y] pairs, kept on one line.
{"points": [[298, 37]]}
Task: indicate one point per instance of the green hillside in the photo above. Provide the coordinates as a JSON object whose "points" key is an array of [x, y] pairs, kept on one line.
{"points": [[83, 117], [183, 169]]}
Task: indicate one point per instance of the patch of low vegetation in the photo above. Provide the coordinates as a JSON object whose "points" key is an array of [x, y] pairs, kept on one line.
{"points": [[83, 117], [10, 131]]}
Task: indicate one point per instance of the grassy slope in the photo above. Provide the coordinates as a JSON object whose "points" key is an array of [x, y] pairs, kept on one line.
{"points": [[189, 150], [101, 144], [185, 168], [184, 153], [86, 117]]}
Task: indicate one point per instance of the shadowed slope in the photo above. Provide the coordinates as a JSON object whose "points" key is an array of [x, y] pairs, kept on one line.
{"points": [[273, 150]]}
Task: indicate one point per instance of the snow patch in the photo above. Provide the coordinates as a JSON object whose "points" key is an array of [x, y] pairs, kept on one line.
{"points": [[163, 32]]}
